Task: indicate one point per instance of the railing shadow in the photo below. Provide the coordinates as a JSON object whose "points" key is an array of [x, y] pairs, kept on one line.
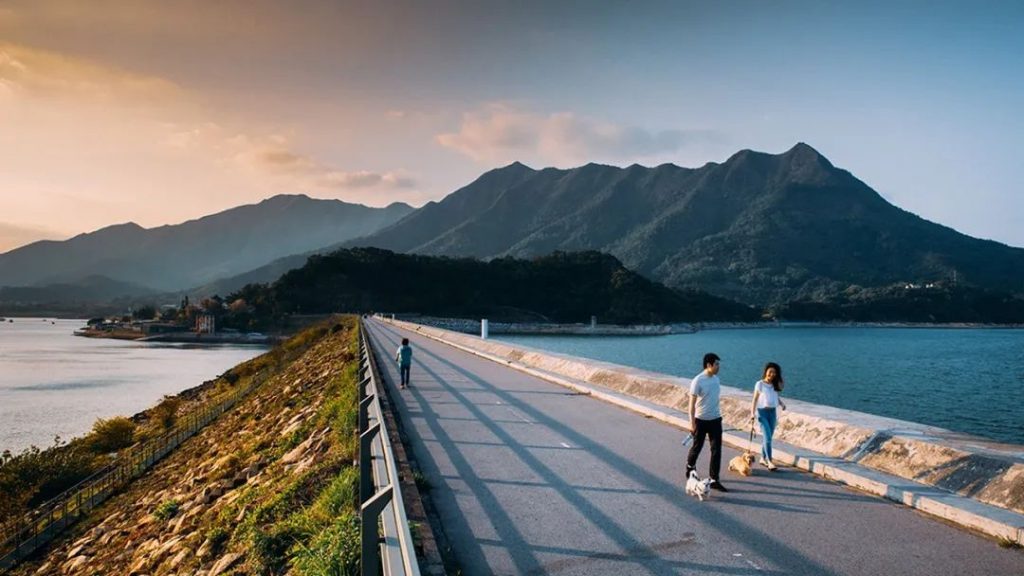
{"points": [[641, 555]]}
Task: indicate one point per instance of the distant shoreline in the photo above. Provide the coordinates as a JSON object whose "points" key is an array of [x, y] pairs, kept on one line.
{"points": [[468, 326]]}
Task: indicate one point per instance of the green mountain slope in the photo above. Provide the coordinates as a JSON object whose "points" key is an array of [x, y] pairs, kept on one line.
{"points": [[759, 228]]}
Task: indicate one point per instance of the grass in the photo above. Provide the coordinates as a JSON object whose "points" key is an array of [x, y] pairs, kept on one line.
{"points": [[306, 522], [422, 483], [1005, 542]]}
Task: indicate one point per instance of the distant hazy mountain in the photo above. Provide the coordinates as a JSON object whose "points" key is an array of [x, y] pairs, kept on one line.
{"points": [[92, 289], [759, 228], [262, 275], [199, 251]]}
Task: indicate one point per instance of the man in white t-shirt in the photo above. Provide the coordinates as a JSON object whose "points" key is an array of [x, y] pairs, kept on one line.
{"points": [[706, 419]]}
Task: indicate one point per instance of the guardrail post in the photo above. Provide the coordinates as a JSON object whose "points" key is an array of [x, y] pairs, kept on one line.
{"points": [[366, 463], [364, 413], [370, 531], [362, 387]]}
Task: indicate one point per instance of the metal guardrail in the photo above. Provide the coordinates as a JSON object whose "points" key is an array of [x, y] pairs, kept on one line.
{"points": [[386, 540], [51, 518]]}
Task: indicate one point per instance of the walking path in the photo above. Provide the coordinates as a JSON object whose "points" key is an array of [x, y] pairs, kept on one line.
{"points": [[529, 477]]}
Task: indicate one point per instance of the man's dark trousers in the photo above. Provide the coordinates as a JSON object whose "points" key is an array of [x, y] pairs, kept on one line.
{"points": [[712, 429]]}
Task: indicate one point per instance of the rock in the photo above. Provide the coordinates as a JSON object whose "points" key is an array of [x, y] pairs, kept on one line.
{"points": [[177, 560], [44, 569], [212, 492], [167, 547], [79, 549], [74, 564], [205, 550], [297, 452], [139, 564], [225, 462], [226, 561], [106, 538]]}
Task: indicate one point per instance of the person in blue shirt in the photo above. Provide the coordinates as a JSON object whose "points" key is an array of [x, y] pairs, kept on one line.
{"points": [[404, 358]]}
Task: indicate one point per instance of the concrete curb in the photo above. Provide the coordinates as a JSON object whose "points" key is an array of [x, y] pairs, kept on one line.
{"points": [[962, 511]]}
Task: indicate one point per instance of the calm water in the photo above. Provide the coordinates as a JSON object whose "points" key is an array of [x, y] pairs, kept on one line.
{"points": [[968, 380], [53, 383]]}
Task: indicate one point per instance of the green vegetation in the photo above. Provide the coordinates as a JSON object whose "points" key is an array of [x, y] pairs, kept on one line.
{"points": [[897, 303], [166, 412], [561, 287], [167, 509], [112, 434], [37, 475], [1005, 542], [422, 483], [301, 522]]}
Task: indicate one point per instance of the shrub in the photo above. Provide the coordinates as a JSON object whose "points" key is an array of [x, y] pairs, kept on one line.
{"points": [[166, 412], [112, 434], [268, 547], [167, 509], [217, 537]]}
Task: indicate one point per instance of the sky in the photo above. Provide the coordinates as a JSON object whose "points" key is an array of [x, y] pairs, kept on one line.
{"points": [[159, 112]]}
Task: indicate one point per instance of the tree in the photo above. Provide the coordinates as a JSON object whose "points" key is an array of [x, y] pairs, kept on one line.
{"points": [[147, 312]]}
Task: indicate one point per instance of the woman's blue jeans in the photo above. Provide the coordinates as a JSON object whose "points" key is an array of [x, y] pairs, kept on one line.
{"points": [[766, 416]]}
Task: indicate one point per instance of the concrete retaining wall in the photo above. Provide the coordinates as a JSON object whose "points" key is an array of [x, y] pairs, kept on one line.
{"points": [[973, 467]]}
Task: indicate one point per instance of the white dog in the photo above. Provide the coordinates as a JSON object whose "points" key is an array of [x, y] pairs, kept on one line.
{"points": [[697, 487]]}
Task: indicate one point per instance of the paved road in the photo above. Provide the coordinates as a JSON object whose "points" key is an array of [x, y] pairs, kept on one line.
{"points": [[530, 478]]}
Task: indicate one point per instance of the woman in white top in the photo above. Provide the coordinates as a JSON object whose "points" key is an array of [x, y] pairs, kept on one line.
{"points": [[766, 399]]}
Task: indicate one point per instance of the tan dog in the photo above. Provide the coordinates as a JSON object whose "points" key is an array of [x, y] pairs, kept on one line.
{"points": [[741, 464]]}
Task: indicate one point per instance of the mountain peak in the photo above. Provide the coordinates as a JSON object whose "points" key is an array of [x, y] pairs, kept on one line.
{"points": [[803, 154], [125, 228], [283, 199], [517, 165]]}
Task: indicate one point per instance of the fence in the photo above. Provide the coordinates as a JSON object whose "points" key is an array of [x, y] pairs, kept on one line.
{"points": [[49, 519], [386, 540]]}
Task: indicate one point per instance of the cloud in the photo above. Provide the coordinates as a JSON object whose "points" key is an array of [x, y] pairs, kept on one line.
{"points": [[274, 155], [75, 131], [500, 133], [44, 74]]}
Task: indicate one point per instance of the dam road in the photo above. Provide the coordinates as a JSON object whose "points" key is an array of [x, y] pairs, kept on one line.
{"points": [[528, 477]]}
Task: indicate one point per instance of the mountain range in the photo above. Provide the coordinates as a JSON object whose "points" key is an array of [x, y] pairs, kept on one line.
{"points": [[759, 228], [182, 256], [763, 229]]}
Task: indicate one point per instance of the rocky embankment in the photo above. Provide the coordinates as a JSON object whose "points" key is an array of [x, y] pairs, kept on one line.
{"points": [[267, 488]]}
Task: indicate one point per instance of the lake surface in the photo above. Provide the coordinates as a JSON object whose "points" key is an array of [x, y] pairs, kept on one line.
{"points": [[53, 383], [968, 380]]}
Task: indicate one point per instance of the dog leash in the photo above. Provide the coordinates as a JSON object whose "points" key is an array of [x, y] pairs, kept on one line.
{"points": [[750, 441]]}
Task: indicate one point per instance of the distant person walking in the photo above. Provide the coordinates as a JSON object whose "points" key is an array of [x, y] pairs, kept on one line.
{"points": [[404, 358], [766, 399], [706, 419]]}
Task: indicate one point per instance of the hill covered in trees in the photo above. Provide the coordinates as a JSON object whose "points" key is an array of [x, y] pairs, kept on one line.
{"points": [[561, 287]]}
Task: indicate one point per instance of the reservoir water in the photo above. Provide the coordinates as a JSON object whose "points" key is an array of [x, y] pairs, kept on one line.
{"points": [[54, 383], [963, 379]]}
